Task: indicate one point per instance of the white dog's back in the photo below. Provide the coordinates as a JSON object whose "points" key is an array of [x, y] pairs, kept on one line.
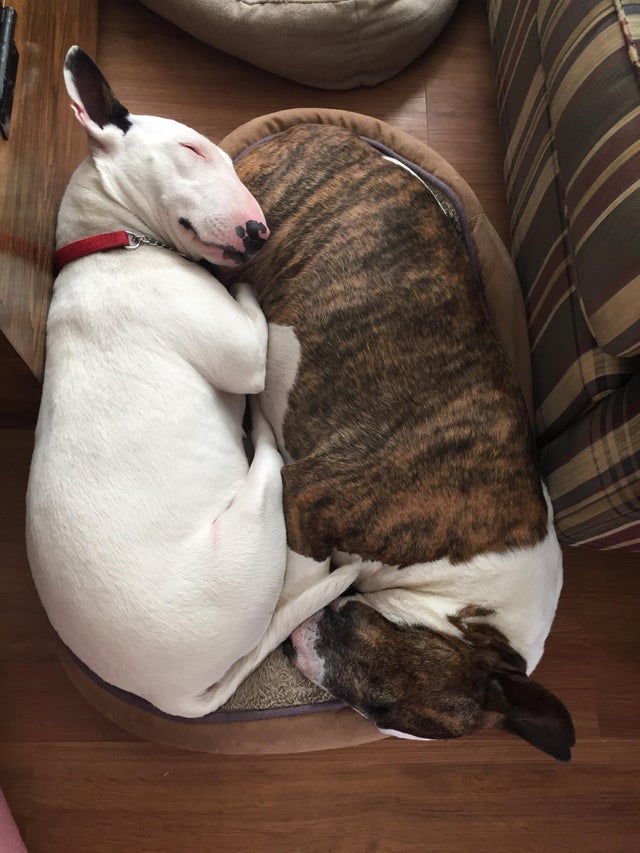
{"points": [[158, 552]]}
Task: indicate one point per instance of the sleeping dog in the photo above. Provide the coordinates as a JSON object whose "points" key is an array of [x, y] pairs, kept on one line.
{"points": [[408, 450], [157, 550]]}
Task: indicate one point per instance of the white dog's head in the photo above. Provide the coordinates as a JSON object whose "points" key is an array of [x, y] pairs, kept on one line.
{"points": [[174, 180]]}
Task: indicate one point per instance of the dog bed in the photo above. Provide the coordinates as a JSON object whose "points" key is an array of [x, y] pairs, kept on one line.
{"points": [[332, 44], [276, 710]]}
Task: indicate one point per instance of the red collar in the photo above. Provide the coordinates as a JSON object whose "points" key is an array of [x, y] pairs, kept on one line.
{"points": [[99, 243]]}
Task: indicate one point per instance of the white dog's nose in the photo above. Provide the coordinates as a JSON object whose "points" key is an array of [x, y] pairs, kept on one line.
{"points": [[253, 234]]}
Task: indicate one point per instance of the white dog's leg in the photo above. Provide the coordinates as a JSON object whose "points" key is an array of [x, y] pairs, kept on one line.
{"points": [[246, 299], [302, 573], [224, 338], [250, 535], [261, 430]]}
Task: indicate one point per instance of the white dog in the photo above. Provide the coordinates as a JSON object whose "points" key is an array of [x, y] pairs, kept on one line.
{"points": [[157, 551]]}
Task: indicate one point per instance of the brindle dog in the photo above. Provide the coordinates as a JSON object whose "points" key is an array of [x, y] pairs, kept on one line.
{"points": [[408, 447]]}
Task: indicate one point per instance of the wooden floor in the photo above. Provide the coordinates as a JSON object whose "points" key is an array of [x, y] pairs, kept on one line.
{"points": [[77, 783]]}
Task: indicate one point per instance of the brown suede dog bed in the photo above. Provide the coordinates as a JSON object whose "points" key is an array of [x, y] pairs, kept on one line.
{"points": [[276, 710]]}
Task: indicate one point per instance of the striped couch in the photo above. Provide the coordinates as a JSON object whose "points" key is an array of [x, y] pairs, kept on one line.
{"points": [[568, 75]]}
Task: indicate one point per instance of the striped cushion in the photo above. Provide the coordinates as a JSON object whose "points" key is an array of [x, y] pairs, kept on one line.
{"points": [[594, 106], [569, 94], [594, 477]]}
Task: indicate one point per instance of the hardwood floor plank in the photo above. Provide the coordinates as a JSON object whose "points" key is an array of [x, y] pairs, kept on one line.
{"points": [[35, 165], [347, 802], [19, 389]]}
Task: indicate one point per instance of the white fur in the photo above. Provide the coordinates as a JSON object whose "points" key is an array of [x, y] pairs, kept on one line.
{"points": [[522, 587], [307, 660], [302, 573], [283, 358], [402, 735], [157, 551], [404, 166], [287, 617]]}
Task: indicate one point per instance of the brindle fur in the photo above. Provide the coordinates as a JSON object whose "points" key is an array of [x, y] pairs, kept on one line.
{"points": [[443, 686], [400, 375], [408, 435], [443, 681]]}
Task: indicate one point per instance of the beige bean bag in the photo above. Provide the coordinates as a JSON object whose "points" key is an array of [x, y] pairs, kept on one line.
{"points": [[276, 709], [332, 44]]}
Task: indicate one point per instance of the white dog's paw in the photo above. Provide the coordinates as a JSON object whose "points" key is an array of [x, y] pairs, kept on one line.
{"points": [[261, 431], [246, 298]]}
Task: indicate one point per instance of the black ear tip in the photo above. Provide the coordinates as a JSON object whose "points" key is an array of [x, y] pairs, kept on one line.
{"points": [[554, 742], [561, 752], [73, 54], [532, 712], [561, 747], [77, 61], [87, 86]]}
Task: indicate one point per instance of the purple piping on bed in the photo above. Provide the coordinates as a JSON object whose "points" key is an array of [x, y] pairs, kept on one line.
{"points": [[446, 190], [215, 716]]}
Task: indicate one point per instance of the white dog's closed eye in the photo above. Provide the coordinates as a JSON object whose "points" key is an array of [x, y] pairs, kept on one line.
{"points": [[191, 146]]}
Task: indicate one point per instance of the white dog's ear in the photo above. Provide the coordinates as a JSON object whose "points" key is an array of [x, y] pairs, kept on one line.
{"points": [[94, 104]]}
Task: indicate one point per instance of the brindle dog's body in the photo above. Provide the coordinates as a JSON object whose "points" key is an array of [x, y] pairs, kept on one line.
{"points": [[407, 436], [400, 371]]}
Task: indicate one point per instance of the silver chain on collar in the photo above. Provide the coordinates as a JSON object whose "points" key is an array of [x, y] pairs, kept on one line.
{"points": [[136, 240]]}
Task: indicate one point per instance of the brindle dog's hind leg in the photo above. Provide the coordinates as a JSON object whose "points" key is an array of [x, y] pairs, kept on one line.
{"points": [[309, 507]]}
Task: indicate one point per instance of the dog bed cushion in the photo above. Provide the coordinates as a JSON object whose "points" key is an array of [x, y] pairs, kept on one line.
{"points": [[334, 44], [276, 709]]}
